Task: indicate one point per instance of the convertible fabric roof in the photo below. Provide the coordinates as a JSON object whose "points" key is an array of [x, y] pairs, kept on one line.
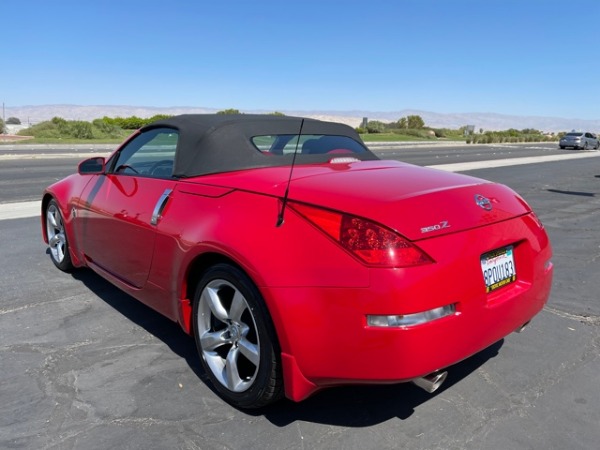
{"points": [[214, 143]]}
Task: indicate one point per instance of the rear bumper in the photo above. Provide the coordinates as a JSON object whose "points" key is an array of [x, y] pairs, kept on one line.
{"points": [[571, 144], [349, 351], [326, 341]]}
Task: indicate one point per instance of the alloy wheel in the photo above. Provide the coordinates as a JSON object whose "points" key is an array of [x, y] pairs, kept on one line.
{"points": [[55, 228], [228, 335]]}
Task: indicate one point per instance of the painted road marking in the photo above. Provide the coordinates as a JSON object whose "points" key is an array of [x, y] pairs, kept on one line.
{"points": [[463, 167], [20, 210]]}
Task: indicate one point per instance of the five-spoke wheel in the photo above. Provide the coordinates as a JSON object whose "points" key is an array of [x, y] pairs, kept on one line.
{"points": [[235, 338], [57, 237]]}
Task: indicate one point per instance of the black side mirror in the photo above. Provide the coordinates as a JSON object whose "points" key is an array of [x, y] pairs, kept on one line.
{"points": [[92, 166]]}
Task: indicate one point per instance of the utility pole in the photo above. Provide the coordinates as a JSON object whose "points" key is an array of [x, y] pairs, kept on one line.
{"points": [[3, 119]]}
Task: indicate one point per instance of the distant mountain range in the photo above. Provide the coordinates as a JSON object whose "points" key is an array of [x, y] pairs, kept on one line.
{"points": [[485, 121]]}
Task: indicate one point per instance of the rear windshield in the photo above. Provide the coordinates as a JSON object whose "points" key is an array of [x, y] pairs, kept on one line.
{"points": [[307, 144], [574, 134]]}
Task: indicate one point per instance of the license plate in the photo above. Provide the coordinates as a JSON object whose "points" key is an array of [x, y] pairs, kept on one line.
{"points": [[498, 268]]}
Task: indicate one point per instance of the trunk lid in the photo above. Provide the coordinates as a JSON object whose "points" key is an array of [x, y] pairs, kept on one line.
{"points": [[417, 202]]}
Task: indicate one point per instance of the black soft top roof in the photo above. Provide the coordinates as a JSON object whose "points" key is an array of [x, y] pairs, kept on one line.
{"points": [[213, 143]]}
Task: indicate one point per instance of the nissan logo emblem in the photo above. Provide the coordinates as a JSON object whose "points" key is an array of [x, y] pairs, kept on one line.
{"points": [[483, 202]]}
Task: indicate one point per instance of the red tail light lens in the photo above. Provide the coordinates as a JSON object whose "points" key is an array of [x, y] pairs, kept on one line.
{"points": [[372, 243]]}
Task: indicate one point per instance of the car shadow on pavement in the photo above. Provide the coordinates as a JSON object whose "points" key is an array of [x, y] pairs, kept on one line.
{"points": [[367, 405], [582, 194], [153, 322], [349, 406]]}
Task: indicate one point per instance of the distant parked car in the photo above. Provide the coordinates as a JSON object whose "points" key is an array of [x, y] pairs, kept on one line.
{"points": [[579, 140]]}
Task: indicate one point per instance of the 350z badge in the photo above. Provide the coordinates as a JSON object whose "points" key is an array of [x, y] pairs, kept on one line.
{"points": [[438, 226]]}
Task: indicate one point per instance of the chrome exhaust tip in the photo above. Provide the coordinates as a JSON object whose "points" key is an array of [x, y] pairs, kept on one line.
{"points": [[431, 382], [522, 327]]}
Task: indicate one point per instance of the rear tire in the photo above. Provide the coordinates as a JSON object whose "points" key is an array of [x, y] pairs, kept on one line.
{"points": [[236, 339], [58, 243]]}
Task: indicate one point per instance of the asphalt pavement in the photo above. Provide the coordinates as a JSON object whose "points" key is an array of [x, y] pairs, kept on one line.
{"points": [[84, 366]]}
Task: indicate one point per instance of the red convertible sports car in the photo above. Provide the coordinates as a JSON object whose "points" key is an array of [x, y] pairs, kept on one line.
{"points": [[296, 258]]}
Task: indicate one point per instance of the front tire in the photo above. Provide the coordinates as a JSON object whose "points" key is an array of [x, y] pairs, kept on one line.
{"points": [[236, 339], [58, 243]]}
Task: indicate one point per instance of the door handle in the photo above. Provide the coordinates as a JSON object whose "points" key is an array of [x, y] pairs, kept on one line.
{"points": [[160, 206]]}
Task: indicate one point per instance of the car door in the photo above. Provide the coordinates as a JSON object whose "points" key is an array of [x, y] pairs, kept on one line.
{"points": [[122, 207]]}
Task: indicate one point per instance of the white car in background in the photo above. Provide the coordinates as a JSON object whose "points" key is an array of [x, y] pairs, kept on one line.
{"points": [[579, 140]]}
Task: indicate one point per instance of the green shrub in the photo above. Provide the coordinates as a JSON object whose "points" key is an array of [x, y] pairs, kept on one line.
{"points": [[375, 126], [80, 130], [45, 130], [58, 121], [105, 127], [439, 133], [229, 111], [133, 122]]}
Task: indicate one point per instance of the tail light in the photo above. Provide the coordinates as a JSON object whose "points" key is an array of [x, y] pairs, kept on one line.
{"points": [[372, 243]]}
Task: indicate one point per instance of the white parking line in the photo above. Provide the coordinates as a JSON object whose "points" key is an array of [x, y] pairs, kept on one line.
{"points": [[21, 210], [79, 156], [463, 167]]}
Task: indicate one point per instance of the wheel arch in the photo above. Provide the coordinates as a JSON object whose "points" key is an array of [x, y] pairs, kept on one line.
{"points": [[199, 265], [45, 200], [193, 273]]}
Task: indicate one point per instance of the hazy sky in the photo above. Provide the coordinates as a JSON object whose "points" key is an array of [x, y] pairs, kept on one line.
{"points": [[520, 57]]}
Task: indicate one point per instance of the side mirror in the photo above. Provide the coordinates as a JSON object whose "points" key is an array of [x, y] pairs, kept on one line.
{"points": [[92, 166]]}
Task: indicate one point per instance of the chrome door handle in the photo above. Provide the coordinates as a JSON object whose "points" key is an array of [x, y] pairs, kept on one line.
{"points": [[160, 206]]}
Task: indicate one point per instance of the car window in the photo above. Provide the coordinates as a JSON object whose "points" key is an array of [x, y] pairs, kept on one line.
{"points": [[151, 154], [285, 144]]}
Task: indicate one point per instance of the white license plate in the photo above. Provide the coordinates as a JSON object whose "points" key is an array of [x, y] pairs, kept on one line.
{"points": [[498, 268]]}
